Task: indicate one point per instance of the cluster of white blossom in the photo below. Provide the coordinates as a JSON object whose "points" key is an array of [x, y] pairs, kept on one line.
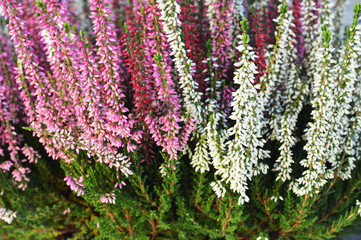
{"points": [[200, 160], [287, 125], [7, 215], [238, 15], [215, 140], [171, 26], [358, 205], [238, 9], [318, 151], [210, 12], [242, 160], [275, 102], [328, 16], [262, 237], [338, 20], [289, 98], [329, 134], [346, 78], [277, 71], [353, 132]]}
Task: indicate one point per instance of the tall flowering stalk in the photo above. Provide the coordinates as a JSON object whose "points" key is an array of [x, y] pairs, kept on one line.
{"points": [[292, 93], [335, 87], [36, 77], [244, 154], [319, 151], [183, 64], [273, 81], [184, 67], [111, 78], [169, 116]]}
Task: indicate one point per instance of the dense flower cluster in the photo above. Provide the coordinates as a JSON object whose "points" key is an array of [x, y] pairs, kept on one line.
{"points": [[7, 215], [237, 93]]}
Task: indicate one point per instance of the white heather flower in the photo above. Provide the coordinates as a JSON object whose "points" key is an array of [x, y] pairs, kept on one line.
{"points": [[281, 69], [315, 134], [238, 9], [284, 123], [7, 215], [215, 141], [238, 15], [218, 189], [242, 158], [332, 93], [358, 205], [353, 132], [200, 158], [328, 15], [171, 26], [262, 237], [287, 124], [210, 12]]}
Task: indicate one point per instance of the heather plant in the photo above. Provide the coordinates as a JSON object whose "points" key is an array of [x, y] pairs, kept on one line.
{"points": [[164, 119]]}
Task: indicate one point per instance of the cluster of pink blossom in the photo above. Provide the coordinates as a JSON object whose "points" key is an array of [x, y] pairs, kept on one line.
{"points": [[75, 184], [76, 91], [12, 147], [108, 198]]}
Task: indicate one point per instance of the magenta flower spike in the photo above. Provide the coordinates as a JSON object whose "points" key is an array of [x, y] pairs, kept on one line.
{"points": [[165, 128], [219, 14], [108, 56]]}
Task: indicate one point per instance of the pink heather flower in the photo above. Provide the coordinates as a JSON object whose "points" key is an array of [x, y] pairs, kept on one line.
{"points": [[61, 54], [186, 132], [108, 198], [19, 174], [31, 154], [103, 199], [164, 126], [10, 114], [66, 211], [29, 64], [9, 89], [119, 185], [108, 52], [75, 184], [5, 166]]}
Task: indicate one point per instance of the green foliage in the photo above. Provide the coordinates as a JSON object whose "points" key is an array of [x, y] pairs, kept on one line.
{"points": [[179, 204]]}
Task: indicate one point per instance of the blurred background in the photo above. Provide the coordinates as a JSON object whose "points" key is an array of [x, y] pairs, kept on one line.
{"points": [[348, 13]]}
